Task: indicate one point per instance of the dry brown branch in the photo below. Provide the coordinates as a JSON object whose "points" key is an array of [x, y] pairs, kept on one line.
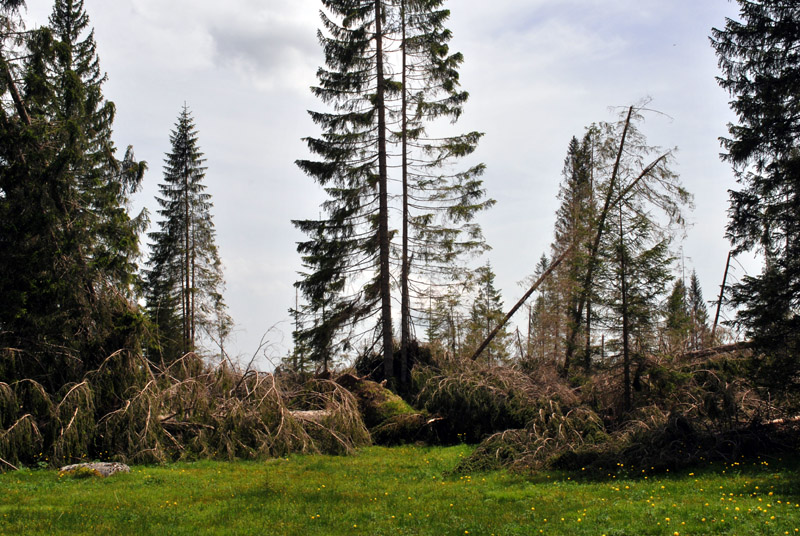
{"points": [[14, 467]]}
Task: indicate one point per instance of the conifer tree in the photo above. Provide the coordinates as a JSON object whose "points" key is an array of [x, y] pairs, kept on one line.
{"points": [[760, 64], [547, 318], [625, 177], [485, 313], [346, 258], [447, 322], [438, 203], [184, 279], [349, 259], [678, 319], [575, 221], [66, 197], [698, 313], [634, 282]]}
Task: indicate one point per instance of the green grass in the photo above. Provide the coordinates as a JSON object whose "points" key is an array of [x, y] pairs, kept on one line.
{"points": [[404, 490]]}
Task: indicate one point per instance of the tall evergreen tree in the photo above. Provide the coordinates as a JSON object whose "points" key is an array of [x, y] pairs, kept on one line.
{"points": [[349, 259], [759, 56], [575, 221], [624, 177], [184, 279], [352, 241], [438, 204], [66, 198]]}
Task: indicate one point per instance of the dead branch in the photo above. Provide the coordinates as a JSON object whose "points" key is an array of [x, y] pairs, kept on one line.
{"points": [[15, 94], [9, 464], [716, 350]]}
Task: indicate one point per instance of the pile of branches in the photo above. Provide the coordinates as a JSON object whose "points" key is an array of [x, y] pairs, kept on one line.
{"points": [[475, 401], [687, 412], [131, 411]]}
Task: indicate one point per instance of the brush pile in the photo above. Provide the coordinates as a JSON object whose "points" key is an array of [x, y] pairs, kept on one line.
{"points": [[186, 410], [684, 412]]}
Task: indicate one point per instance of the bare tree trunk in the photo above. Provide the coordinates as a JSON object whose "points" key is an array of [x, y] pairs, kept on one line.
{"points": [[383, 194], [721, 295], [19, 104], [716, 350], [587, 356], [193, 293], [626, 356], [186, 268], [405, 300], [520, 303], [187, 301]]}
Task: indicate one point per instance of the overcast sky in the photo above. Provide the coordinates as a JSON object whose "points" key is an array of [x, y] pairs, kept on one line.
{"points": [[538, 72]]}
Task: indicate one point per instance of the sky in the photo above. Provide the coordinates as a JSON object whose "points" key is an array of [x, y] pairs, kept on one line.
{"points": [[538, 72]]}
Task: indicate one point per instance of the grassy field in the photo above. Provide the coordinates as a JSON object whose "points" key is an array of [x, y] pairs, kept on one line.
{"points": [[405, 490]]}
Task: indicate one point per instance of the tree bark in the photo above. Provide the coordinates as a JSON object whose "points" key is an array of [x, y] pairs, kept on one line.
{"points": [[405, 300], [716, 350], [383, 194], [19, 104], [626, 355]]}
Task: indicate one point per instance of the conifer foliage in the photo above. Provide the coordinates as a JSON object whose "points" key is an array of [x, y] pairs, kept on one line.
{"points": [[67, 264], [377, 125], [485, 313], [759, 56], [184, 279]]}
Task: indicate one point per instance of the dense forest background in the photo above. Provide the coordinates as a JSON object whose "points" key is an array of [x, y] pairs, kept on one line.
{"points": [[114, 351]]}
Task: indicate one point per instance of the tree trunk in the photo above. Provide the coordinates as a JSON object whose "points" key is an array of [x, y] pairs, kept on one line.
{"points": [[626, 357], [186, 264], [587, 355], [405, 300], [520, 303], [383, 193]]}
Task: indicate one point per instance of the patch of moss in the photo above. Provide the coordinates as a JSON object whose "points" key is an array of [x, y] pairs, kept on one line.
{"points": [[376, 403]]}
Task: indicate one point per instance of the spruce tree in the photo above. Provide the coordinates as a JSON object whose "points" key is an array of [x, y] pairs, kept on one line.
{"points": [[439, 203], [625, 175], [352, 240], [575, 221], [698, 313], [633, 283], [678, 319], [760, 64], [447, 322], [547, 318], [184, 279], [349, 258], [66, 200], [485, 313]]}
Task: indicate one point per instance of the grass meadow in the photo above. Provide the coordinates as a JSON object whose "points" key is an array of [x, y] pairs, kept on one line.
{"points": [[404, 490]]}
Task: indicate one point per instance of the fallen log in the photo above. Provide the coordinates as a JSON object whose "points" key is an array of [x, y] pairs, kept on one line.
{"points": [[314, 415], [716, 350]]}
